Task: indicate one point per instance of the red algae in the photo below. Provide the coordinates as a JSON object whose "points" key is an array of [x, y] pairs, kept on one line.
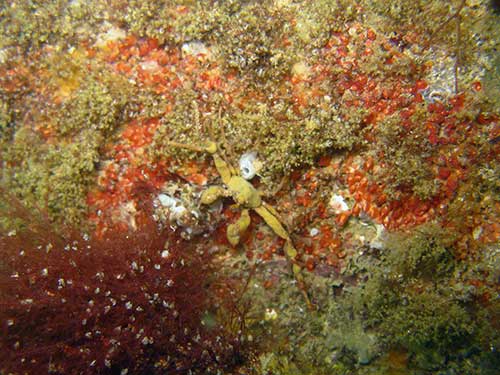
{"points": [[130, 302]]}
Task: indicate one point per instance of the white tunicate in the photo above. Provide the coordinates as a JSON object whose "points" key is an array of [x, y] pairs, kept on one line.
{"points": [[249, 165], [177, 210], [167, 200]]}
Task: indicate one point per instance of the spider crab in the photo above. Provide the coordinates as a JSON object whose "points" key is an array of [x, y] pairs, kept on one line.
{"points": [[246, 196]]}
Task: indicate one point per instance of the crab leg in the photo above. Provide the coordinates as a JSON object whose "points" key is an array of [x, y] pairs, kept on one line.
{"points": [[223, 168], [271, 220], [225, 171], [186, 146], [269, 216]]}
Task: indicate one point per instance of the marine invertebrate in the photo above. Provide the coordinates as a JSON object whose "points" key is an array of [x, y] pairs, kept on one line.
{"points": [[246, 196], [249, 165], [127, 303]]}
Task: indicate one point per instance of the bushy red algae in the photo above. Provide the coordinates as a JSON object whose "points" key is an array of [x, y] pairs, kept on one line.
{"points": [[124, 303]]}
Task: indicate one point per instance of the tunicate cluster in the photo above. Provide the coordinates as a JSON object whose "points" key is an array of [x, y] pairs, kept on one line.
{"points": [[178, 206], [177, 210]]}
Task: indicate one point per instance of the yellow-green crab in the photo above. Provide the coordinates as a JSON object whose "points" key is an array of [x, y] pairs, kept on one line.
{"points": [[248, 198]]}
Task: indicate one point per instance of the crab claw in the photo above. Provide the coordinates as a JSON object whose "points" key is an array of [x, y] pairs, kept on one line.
{"points": [[236, 229], [211, 194]]}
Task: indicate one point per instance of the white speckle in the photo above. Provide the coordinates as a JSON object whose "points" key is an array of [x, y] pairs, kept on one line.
{"points": [[165, 254], [270, 314], [170, 282], [338, 204], [314, 232], [378, 241], [150, 66], [157, 266], [124, 371], [301, 69], [112, 34], [195, 48], [352, 31], [129, 305], [44, 272], [10, 322], [476, 233], [4, 55], [167, 305]]}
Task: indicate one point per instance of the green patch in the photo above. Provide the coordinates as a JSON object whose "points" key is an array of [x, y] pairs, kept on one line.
{"points": [[406, 154], [103, 102]]}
